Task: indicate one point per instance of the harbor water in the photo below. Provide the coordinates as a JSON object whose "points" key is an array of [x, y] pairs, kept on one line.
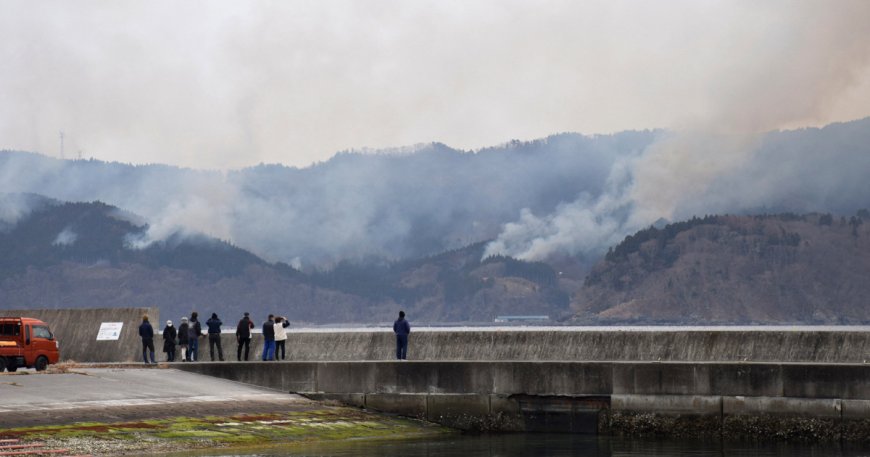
{"points": [[509, 445]]}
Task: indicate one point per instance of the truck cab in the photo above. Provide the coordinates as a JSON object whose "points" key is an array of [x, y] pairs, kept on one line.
{"points": [[26, 343]]}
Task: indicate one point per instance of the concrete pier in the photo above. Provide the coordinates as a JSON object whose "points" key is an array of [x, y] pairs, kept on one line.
{"points": [[761, 400], [783, 382], [671, 344]]}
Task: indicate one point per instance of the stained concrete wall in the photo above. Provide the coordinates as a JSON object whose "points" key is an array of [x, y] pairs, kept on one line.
{"points": [[758, 400], [76, 331], [828, 346]]}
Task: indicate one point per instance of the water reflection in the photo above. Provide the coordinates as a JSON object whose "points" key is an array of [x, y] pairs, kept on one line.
{"points": [[563, 445]]}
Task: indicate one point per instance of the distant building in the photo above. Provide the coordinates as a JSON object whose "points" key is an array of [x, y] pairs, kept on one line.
{"points": [[505, 319]]}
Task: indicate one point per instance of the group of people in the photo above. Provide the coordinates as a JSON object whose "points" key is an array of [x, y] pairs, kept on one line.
{"points": [[274, 337], [186, 338]]}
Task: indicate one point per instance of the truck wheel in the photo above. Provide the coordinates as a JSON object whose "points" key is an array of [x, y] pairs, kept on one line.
{"points": [[2, 364], [41, 363], [12, 367]]}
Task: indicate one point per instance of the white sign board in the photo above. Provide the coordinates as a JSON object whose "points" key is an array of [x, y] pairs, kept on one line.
{"points": [[109, 331]]}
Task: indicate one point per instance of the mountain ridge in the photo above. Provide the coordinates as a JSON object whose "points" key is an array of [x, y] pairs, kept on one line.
{"points": [[98, 266], [763, 269]]}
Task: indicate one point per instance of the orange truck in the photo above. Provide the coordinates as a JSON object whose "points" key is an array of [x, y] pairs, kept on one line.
{"points": [[26, 343]]}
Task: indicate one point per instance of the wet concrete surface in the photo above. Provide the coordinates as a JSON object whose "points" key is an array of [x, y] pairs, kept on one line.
{"points": [[121, 394]]}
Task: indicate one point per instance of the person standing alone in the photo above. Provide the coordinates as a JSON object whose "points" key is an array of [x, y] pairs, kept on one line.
{"points": [[402, 329], [214, 336], [269, 339], [146, 331], [243, 336]]}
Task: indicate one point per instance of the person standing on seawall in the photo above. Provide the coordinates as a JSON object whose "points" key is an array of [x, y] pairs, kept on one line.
{"points": [[243, 336], [169, 334], [214, 336], [280, 336], [269, 339], [146, 331], [194, 333], [184, 339], [402, 329]]}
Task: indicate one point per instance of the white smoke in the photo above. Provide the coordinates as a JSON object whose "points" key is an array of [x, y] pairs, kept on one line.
{"points": [[67, 237], [795, 73]]}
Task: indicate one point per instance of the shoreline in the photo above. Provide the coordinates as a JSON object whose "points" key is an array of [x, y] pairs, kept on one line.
{"points": [[204, 435], [120, 410]]}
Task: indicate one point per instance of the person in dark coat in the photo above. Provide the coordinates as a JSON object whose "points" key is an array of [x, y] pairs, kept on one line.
{"points": [[169, 335], [184, 338], [147, 334], [243, 336], [269, 338], [402, 329], [194, 332], [214, 336]]}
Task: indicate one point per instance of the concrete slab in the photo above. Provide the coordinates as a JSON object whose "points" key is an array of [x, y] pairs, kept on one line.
{"points": [[87, 394]]}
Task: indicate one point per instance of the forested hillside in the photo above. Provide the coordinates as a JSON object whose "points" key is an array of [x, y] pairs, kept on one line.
{"points": [[86, 255], [770, 269]]}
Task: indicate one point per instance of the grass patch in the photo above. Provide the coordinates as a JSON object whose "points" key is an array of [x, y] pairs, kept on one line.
{"points": [[299, 427]]}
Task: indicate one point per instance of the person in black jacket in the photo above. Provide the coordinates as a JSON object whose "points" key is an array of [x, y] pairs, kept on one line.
{"points": [[147, 334], [269, 339], [214, 336], [243, 336], [402, 329], [194, 332], [183, 339], [169, 334]]}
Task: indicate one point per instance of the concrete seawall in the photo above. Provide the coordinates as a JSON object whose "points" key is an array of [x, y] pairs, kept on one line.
{"points": [[649, 344], [76, 331], [815, 402]]}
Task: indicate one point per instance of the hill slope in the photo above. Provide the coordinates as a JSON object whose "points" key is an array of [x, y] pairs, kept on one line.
{"points": [[86, 255], [735, 269]]}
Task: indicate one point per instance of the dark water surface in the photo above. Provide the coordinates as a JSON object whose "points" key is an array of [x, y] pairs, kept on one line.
{"points": [[566, 445]]}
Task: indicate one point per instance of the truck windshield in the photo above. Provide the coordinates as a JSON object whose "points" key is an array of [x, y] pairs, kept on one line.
{"points": [[41, 331]]}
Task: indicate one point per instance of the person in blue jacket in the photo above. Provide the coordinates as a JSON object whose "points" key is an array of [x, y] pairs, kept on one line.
{"points": [[214, 336], [146, 331], [401, 328], [269, 338]]}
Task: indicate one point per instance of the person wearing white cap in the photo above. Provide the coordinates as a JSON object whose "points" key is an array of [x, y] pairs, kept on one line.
{"points": [[169, 335]]}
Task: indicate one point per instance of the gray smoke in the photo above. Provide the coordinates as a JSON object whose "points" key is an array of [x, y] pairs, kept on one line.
{"points": [[230, 86], [389, 204], [793, 76], [574, 194]]}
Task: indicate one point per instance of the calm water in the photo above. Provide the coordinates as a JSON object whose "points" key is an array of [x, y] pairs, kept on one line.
{"points": [[565, 445]]}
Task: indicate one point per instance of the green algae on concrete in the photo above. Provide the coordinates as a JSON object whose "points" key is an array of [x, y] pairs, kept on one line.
{"points": [[240, 431]]}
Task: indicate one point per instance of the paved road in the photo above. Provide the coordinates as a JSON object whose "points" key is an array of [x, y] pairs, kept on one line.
{"points": [[106, 394]]}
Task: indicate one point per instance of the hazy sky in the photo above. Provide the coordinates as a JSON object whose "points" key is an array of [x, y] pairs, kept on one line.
{"points": [[227, 84]]}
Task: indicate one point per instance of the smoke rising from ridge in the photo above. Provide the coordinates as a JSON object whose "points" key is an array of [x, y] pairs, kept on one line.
{"points": [[419, 203], [792, 77], [225, 87]]}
